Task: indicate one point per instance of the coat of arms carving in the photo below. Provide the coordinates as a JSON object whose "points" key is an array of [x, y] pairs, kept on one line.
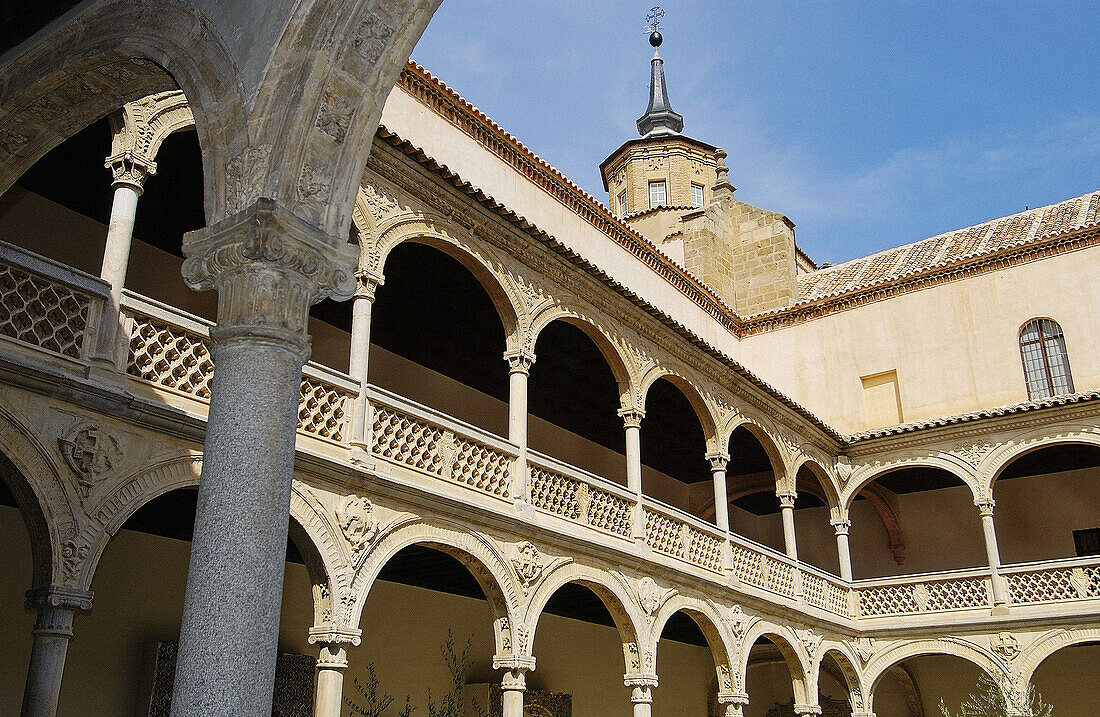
{"points": [[89, 451]]}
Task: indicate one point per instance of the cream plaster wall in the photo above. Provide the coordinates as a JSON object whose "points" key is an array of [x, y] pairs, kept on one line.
{"points": [[954, 346], [138, 600]]}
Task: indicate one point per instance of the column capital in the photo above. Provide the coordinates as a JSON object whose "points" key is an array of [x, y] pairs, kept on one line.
{"points": [[367, 283], [335, 635], [632, 416], [332, 657], [985, 505], [786, 498], [130, 169], [268, 266], [513, 663], [807, 710], [841, 526], [519, 361], [641, 687], [58, 596], [718, 460]]}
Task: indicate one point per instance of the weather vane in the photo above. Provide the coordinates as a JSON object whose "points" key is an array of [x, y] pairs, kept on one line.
{"points": [[653, 19]]}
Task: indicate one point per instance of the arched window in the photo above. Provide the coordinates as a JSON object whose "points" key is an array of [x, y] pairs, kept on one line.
{"points": [[1046, 364]]}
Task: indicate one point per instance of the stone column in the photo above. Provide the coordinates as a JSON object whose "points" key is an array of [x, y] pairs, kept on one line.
{"points": [[734, 703], [53, 628], [514, 682], [992, 552], [641, 693], [359, 435], [129, 172], [786, 507], [268, 267], [519, 368], [632, 422], [718, 462], [332, 660], [842, 526]]}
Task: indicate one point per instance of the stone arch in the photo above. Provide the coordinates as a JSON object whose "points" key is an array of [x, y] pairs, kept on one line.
{"points": [[868, 474], [311, 530], [846, 661], [424, 228], [693, 394], [45, 501], [612, 592], [957, 647], [599, 335], [1048, 644], [141, 127], [478, 553], [112, 52], [711, 625], [768, 438], [790, 647], [824, 481], [994, 464]]}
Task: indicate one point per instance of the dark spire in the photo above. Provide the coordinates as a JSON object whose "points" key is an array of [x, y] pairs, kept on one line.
{"points": [[659, 118]]}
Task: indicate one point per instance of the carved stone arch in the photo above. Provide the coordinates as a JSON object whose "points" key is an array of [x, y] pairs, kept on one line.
{"points": [[312, 530], [478, 553], [704, 411], [768, 436], [994, 464], [824, 480], [721, 643], [864, 475], [1049, 643], [789, 645], [614, 593], [958, 647], [48, 504], [107, 53], [599, 331], [141, 126], [846, 661], [439, 233]]}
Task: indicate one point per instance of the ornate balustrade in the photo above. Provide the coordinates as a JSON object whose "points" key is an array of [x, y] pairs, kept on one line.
{"points": [[48, 305], [56, 313], [576, 495], [170, 349]]}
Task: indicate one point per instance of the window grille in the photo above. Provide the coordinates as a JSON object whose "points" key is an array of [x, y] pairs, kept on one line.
{"points": [[1046, 363], [657, 194]]}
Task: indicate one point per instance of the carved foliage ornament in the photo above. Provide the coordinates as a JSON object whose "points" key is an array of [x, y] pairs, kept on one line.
{"points": [[1006, 645], [90, 451], [528, 564], [355, 515]]}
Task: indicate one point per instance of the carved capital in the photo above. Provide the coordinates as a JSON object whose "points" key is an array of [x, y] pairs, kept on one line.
{"points": [[786, 500], [366, 284], [718, 460], [332, 656], [513, 663], [269, 267], [985, 506], [59, 596], [130, 169], [335, 635], [632, 417], [802, 710], [641, 687], [841, 526], [519, 361]]}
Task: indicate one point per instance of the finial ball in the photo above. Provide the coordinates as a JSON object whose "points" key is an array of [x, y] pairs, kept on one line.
{"points": [[655, 39]]}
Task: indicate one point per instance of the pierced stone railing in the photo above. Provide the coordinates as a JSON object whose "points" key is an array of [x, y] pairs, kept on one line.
{"points": [[579, 496], [1072, 579], [672, 532], [48, 305], [419, 437], [933, 592], [170, 348]]}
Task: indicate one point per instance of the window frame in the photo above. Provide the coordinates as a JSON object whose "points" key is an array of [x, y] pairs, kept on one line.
{"points": [[624, 209], [663, 184], [1048, 331], [695, 186]]}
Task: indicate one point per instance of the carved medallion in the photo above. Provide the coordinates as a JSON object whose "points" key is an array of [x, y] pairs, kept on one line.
{"points": [[89, 451], [527, 562], [1006, 645], [355, 514]]}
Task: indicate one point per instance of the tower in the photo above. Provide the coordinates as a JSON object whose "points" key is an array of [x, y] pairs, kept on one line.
{"points": [[675, 190]]}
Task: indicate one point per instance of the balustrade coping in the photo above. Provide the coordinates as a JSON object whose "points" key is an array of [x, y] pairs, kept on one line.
{"points": [[54, 270], [671, 511], [570, 471]]}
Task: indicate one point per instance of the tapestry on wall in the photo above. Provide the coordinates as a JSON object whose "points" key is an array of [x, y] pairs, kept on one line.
{"points": [[293, 683]]}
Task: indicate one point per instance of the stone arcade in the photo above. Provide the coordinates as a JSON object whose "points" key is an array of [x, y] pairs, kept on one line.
{"points": [[654, 452]]}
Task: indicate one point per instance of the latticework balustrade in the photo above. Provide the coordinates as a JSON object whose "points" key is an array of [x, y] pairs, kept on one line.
{"points": [[483, 468], [42, 313], [1052, 584], [321, 409], [933, 596], [705, 550], [575, 500], [169, 356], [402, 439], [664, 534]]}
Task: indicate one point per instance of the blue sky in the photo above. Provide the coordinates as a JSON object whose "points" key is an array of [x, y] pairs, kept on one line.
{"points": [[869, 124]]}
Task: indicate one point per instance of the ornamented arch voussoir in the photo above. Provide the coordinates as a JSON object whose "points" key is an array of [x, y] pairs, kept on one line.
{"points": [[1048, 644], [1034, 439], [593, 322], [477, 552], [714, 628], [848, 662], [753, 421], [954, 646], [867, 473], [790, 646]]}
